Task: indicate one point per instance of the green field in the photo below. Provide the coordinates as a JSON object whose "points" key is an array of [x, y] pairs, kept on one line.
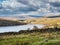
{"points": [[35, 38]]}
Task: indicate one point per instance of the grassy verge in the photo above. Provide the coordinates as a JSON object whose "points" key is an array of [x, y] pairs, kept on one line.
{"points": [[35, 38]]}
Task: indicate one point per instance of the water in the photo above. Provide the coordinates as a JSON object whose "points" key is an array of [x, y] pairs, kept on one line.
{"points": [[18, 28]]}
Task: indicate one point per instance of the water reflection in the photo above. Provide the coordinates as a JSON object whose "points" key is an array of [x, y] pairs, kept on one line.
{"points": [[18, 28]]}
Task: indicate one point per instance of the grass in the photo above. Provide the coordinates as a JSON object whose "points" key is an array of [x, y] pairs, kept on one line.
{"points": [[44, 20], [36, 38]]}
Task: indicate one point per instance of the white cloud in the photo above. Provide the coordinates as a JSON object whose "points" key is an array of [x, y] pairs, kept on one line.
{"points": [[29, 7], [54, 0], [12, 4]]}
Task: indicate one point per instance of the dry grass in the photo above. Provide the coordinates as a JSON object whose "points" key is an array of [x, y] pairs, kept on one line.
{"points": [[48, 22], [44, 20]]}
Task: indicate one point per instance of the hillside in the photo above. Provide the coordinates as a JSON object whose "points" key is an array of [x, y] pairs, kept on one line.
{"points": [[45, 21], [4, 22]]}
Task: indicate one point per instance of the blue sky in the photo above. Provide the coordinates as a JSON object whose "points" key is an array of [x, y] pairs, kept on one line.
{"points": [[29, 7]]}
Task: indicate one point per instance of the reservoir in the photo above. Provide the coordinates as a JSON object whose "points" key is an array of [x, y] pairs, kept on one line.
{"points": [[18, 28]]}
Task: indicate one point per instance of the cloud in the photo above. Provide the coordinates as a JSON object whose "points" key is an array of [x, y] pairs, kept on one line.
{"points": [[30, 7], [55, 4]]}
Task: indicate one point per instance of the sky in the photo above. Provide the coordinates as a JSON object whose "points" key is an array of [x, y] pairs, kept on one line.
{"points": [[29, 7]]}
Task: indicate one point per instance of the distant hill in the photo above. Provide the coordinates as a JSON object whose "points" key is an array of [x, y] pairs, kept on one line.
{"points": [[47, 21], [53, 16], [10, 22]]}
